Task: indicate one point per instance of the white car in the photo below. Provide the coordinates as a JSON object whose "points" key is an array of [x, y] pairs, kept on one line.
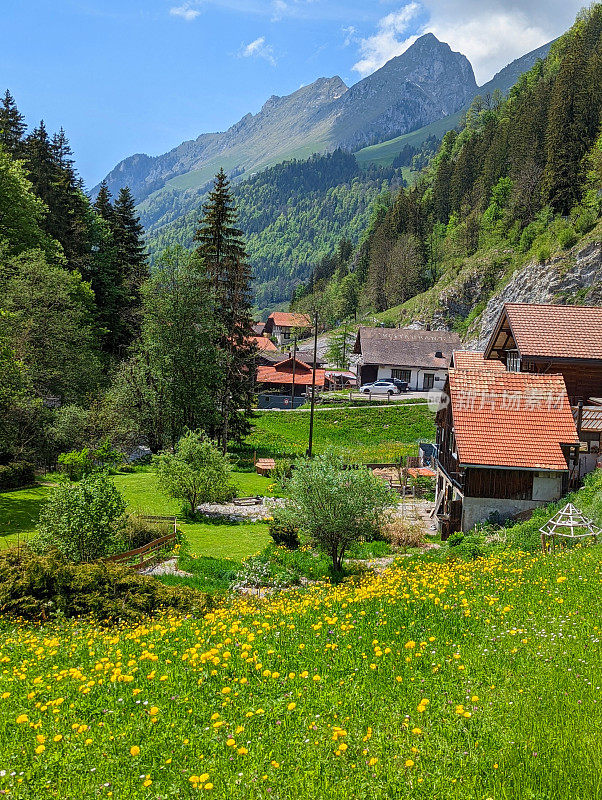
{"points": [[380, 387]]}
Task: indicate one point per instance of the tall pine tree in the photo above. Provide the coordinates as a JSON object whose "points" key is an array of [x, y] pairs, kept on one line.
{"points": [[222, 253], [12, 126]]}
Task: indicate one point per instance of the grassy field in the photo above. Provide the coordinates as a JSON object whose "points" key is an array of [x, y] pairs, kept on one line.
{"points": [[456, 680], [19, 511], [364, 435]]}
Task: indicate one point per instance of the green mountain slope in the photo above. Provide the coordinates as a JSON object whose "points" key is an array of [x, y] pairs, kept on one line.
{"points": [[513, 199], [293, 215]]}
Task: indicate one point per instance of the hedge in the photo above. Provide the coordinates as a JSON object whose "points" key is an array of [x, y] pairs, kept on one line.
{"points": [[16, 474]]}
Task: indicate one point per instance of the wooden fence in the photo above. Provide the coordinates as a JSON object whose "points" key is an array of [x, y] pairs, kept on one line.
{"points": [[144, 556]]}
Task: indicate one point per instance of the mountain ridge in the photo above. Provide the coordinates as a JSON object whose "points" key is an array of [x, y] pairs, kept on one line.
{"points": [[411, 90]]}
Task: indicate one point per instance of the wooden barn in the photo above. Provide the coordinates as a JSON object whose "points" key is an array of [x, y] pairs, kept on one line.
{"points": [[548, 339], [506, 443]]}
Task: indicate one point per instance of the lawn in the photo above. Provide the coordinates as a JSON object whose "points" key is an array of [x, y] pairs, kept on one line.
{"points": [[456, 680], [19, 511], [363, 435]]}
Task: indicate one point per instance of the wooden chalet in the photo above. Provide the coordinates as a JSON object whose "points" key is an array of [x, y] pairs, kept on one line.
{"points": [[548, 339], [279, 377], [506, 443], [282, 326]]}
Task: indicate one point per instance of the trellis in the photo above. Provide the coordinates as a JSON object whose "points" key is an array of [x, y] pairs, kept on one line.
{"points": [[566, 524]]}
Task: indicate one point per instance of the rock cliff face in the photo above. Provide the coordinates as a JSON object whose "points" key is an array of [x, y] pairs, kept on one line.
{"points": [[572, 278]]}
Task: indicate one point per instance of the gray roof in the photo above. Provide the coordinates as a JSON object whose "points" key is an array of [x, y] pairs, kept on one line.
{"points": [[407, 347]]}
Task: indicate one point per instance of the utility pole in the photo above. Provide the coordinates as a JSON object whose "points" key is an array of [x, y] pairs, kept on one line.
{"points": [[313, 387], [294, 365]]}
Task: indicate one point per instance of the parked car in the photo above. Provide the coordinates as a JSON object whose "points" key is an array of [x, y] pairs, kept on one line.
{"points": [[401, 385], [380, 387]]}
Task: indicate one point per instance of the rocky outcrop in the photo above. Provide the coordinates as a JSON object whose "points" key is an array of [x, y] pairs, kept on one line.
{"points": [[572, 278]]}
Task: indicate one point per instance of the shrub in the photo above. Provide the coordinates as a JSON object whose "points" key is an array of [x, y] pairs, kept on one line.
{"points": [[544, 253], [16, 474], [335, 506], [37, 587], [567, 237], [402, 534], [197, 472], [284, 531], [77, 463], [138, 531], [454, 539], [83, 521], [282, 472], [470, 548]]}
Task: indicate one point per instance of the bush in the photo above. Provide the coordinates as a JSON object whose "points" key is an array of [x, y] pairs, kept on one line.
{"points": [[284, 532], [83, 521], [197, 472], [470, 548], [17, 474], [77, 463], [335, 505], [38, 587], [455, 539], [403, 534], [138, 531], [544, 253], [567, 237]]}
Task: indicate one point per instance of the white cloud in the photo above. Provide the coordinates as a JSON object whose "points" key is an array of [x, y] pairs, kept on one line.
{"points": [[349, 32], [258, 49], [388, 40], [491, 33], [186, 11]]}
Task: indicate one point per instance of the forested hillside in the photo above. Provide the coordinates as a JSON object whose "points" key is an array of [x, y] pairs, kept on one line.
{"points": [[293, 215], [518, 182]]}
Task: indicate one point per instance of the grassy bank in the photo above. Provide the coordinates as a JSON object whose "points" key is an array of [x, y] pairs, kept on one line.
{"points": [[19, 511], [451, 680], [359, 434]]}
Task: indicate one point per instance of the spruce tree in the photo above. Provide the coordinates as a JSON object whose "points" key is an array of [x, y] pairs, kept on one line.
{"points": [[222, 253], [103, 205], [12, 126], [132, 258]]}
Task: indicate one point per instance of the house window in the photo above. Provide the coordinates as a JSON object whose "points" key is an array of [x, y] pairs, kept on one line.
{"points": [[512, 361], [401, 374], [286, 334]]}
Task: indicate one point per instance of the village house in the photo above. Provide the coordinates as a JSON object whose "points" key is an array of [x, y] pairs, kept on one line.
{"points": [[283, 325], [421, 358], [279, 377], [264, 344], [506, 444], [547, 339]]}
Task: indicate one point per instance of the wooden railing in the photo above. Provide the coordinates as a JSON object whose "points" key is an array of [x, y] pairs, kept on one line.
{"points": [[144, 556]]}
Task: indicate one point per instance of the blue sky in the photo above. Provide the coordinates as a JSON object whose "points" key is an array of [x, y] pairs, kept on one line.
{"points": [[127, 76]]}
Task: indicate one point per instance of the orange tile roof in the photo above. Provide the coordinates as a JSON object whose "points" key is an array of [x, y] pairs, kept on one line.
{"points": [[287, 320], [273, 375], [511, 419], [263, 343], [552, 331], [473, 359]]}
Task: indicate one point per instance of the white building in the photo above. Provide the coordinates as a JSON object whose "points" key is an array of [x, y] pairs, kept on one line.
{"points": [[419, 357], [282, 326]]}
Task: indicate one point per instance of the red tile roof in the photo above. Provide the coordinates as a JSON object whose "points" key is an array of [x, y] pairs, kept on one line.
{"points": [[282, 373], [473, 359], [511, 419], [263, 343], [552, 331], [284, 319]]}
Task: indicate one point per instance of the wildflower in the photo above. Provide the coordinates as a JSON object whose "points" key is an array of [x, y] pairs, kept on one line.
{"points": [[134, 750], [409, 762], [291, 706], [22, 718], [372, 761], [242, 751], [417, 731], [40, 749], [275, 764]]}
